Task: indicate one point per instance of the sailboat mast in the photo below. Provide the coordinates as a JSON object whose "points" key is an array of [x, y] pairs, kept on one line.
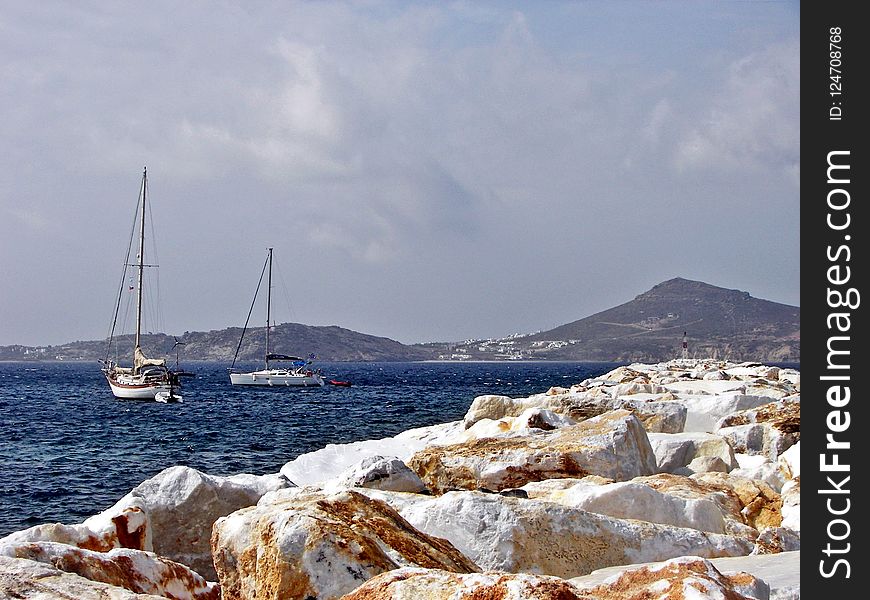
{"points": [[268, 306], [141, 263]]}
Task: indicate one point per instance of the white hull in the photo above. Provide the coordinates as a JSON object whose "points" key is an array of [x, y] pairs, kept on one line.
{"points": [[132, 387], [277, 377]]}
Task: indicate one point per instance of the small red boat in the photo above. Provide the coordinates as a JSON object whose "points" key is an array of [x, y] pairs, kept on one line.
{"points": [[339, 383]]}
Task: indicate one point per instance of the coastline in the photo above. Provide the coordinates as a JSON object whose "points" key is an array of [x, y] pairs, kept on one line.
{"points": [[670, 428]]}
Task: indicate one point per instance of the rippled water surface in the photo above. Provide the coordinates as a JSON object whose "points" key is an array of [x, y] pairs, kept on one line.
{"points": [[68, 449]]}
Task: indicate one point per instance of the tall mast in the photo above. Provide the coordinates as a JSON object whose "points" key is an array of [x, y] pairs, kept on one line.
{"points": [[141, 263], [268, 306]]}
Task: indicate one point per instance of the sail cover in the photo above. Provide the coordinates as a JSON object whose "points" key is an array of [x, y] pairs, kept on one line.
{"points": [[281, 357], [140, 360]]}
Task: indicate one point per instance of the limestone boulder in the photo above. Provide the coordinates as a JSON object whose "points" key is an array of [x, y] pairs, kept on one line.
{"points": [[781, 573], [320, 466], [685, 577], [789, 462], [309, 544], [760, 505], [505, 533], [24, 579], [675, 451], [644, 498], [664, 498], [379, 473], [170, 514], [654, 407], [135, 570], [429, 584], [791, 504], [770, 429], [758, 466], [613, 445], [705, 411], [775, 540], [118, 527]]}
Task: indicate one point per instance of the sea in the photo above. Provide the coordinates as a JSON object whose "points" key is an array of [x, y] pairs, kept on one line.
{"points": [[69, 449]]}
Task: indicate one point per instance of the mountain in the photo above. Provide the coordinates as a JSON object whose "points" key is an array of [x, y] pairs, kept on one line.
{"points": [[718, 322], [329, 343]]}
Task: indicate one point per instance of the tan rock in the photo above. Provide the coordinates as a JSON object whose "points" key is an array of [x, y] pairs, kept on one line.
{"points": [[310, 544], [427, 584], [135, 570], [613, 445], [680, 578]]}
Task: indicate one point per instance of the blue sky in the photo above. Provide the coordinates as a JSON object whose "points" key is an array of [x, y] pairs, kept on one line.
{"points": [[424, 171]]}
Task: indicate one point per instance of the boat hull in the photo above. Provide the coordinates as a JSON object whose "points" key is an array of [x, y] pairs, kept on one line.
{"points": [[277, 378], [129, 388]]}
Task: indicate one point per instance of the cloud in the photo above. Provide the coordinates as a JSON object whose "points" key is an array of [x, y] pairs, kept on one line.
{"points": [[752, 121]]}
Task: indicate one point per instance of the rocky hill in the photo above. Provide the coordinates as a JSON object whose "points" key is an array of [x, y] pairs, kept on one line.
{"points": [[718, 322], [329, 343]]}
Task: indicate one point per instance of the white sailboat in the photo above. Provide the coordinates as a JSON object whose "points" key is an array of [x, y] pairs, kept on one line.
{"points": [[297, 373], [147, 378]]}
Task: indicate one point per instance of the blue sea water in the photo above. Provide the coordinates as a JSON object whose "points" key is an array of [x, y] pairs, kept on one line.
{"points": [[69, 450]]}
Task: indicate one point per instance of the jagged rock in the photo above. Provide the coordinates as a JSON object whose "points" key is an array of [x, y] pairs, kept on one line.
{"points": [[656, 499], [760, 505], [684, 577], [770, 429], [310, 544], [758, 466], [30, 580], [536, 536], [657, 411], [318, 467], [790, 462], [781, 572], [135, 570], [379, 473], [612, 445], [429, 584], [117, 527], [170, 514], [705, 411], [791, 504], [773, 540], [524, 424], [674, 451]]}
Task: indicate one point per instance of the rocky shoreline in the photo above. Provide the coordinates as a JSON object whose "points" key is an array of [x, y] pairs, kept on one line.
{"points": [[668, 480]]}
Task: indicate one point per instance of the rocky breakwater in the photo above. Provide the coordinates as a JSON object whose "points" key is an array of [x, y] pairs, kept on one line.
{"points": [[639, 483]]}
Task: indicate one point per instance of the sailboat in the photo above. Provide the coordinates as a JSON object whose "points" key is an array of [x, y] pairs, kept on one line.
{"points": [[297, 373], [147, 378]]}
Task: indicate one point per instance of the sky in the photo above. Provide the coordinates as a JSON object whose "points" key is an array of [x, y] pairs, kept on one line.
{"points": [[425, 171]]}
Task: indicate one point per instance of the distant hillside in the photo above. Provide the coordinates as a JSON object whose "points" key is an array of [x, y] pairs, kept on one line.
{"points": [[326, 343], [719, 322]]}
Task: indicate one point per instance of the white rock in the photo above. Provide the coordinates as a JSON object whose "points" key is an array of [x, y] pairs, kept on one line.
{"points": [[705, 411], [790, 462], [791, 504], [781, 572], [316, 545], [30, 580], [431, 584], [636, 500], [674, 451], [612, 445], [526, 535], [755, 466], [379, 473], [317, 467], [135, 570]]}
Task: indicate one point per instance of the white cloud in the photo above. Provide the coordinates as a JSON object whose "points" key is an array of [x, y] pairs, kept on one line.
{"points": [[752, 122]]}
